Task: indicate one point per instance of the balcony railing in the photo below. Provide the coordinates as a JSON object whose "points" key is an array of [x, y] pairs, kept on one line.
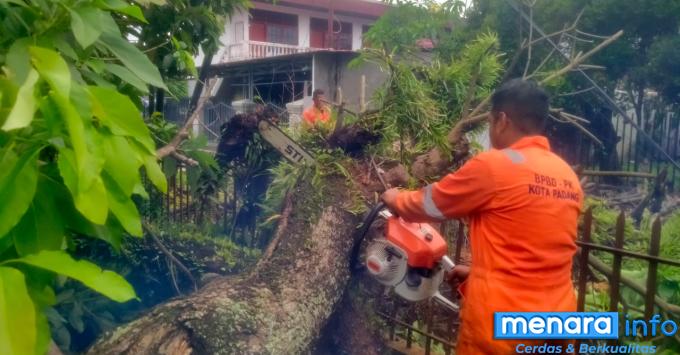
{"points": [[252, 49]]}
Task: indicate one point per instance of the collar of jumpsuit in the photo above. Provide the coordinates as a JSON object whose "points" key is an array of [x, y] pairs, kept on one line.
{"points": [[522, 203]]}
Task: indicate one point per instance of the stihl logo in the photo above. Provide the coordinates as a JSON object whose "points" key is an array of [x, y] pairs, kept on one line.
{"points": [[293, 153]]}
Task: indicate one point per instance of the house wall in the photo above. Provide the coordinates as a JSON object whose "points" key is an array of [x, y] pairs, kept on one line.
{"points": [[331, 72]]}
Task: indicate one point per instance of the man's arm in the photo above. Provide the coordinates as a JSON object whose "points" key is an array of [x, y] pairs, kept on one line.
{"points": [[468, 190]]}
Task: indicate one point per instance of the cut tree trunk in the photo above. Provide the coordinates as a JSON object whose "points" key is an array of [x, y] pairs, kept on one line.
{"points": [[278, 309]]}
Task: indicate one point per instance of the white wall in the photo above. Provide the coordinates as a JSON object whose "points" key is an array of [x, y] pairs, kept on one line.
{"points": [[228, 37], [357, 29]]}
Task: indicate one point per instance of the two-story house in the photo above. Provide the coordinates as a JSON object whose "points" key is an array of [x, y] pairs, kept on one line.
{"points": [[279, 52]]}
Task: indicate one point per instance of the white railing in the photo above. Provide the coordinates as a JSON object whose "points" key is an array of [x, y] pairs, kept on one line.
{"points": [[253, 49]]}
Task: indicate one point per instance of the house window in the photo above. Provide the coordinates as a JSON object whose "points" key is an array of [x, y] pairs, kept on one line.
{"points": [[319, 37], [273, 27]]}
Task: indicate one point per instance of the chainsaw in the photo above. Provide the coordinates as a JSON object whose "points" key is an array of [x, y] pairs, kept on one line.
{"points": [[410, 258]]}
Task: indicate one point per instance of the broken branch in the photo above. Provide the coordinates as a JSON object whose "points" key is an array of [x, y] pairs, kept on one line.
{"points": [[183, 133], [170, 256]]}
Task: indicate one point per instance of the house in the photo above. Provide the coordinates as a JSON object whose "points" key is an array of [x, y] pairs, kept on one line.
{"points": [[280, 52]]}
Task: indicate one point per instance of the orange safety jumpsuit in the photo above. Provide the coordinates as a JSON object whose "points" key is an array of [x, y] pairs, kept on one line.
{"points": [[313, 115], [523, 204]]}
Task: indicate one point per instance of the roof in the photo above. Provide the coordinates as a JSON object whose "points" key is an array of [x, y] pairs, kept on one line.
{"points": [[362, 8]]}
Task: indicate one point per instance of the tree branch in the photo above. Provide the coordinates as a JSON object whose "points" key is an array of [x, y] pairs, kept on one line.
{"points": [[170, 256], [580, 58], [183, 158], [171, 148]]}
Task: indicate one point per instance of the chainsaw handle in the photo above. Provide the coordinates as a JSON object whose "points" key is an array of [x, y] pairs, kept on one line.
{"points": [[447, 263], [361, 234]]}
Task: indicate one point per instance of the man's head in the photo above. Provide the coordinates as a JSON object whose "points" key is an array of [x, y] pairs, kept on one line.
{"points": [[318, 96], [519, 108]]}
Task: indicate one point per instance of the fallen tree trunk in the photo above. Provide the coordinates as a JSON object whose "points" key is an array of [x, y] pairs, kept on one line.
{"points": [[279, 309]]}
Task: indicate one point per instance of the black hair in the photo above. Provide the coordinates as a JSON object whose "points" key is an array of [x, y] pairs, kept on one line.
{"points": [[317, 92], [524, 102]]}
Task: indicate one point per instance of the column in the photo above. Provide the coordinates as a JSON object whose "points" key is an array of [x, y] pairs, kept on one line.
{"points": [[303, 31]]}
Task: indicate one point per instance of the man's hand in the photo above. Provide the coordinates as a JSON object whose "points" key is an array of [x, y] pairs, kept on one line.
{"points": [[390, 198], [457, 275]]}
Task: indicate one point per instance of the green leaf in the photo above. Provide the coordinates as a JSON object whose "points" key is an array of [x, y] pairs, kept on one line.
{"points": [[119, 113], [153, 170], [21, 114], [65, 48], [169, 166], [133, 59], [141, 191], [43, 335], [85, 25], [125, 8], [21, 170], [41, 227], [18, 334], [125, 172], [123, 207], [106, 282], [73, 220], [124, 74], [18, 61], [89, 200], [53, 69]]}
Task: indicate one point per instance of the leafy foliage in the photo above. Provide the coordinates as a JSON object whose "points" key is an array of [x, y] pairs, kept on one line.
{"points": [[72, 147], [426, 93]]}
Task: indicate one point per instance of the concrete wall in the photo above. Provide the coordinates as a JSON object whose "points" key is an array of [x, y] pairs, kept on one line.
{"points": [[331, 72]]}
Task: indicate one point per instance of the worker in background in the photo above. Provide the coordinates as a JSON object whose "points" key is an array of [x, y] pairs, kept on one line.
{"points": [[523, 203], [317, 113]]}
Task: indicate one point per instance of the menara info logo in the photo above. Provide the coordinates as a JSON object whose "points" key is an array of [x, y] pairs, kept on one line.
{"points": [[577, 325], [556, 325]]}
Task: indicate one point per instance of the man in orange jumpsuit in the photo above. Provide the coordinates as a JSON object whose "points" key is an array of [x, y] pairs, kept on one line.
{"points": [[319, 112], [523, 203]]}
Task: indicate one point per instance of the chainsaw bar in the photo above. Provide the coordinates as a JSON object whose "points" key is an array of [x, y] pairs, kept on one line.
{"points": [[288, 147]]}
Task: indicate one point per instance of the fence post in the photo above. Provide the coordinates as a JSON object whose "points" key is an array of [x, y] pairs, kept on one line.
{"points": [[393, 324], [583, 261], [651, 273], [615, 279], [583, 264]]}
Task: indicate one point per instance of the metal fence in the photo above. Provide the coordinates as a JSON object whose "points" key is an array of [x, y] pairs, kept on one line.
{"points": [[175, 111], [186, 203], [214, 115], [623, 148]]}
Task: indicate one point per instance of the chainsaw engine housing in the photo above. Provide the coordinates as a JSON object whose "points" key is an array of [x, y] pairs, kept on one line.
{"points": [[423, 245]]}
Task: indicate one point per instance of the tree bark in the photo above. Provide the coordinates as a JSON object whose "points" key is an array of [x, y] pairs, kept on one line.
{"points": [[278, 309]]}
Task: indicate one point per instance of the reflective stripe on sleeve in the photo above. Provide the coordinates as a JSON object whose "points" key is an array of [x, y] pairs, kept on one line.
{"points": [[429, 206]]}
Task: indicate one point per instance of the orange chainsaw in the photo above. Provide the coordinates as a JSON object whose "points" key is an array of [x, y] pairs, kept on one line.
{"points": [[410, 257]]}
